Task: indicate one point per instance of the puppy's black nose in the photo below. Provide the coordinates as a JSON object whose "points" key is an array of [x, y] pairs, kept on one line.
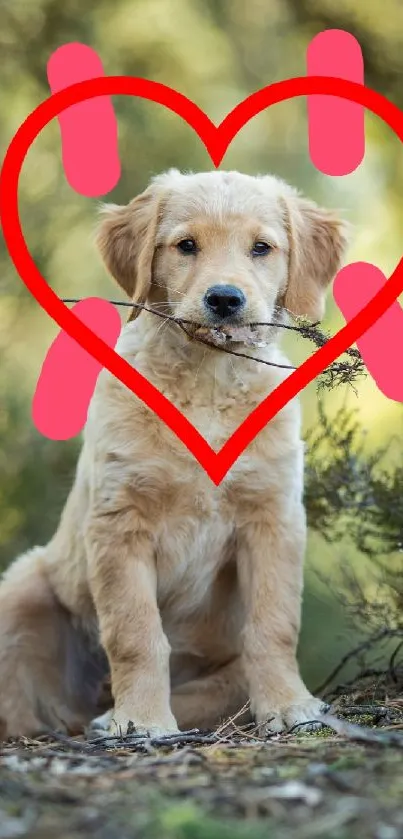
{"points": [[224, 300]]}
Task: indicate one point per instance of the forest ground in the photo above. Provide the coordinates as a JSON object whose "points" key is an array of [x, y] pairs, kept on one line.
{"points": [[343, 782]]}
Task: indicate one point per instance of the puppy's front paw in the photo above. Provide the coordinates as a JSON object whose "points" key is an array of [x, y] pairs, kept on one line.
{"points": [[119, 724], [301, 712], [101, 724]]}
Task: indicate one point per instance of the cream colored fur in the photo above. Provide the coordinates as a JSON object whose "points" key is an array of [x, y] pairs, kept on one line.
{"points": [[193, 591]]}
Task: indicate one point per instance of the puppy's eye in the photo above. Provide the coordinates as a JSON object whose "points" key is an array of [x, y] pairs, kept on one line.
{"points": [[261, 249], [187, 246]]}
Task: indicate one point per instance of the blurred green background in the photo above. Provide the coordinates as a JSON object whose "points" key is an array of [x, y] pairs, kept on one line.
{"points": [[216, 53]]}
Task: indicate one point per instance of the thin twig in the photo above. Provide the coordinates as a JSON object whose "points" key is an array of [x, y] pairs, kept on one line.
{"points": [[72, 744], [383, 633], [361, 734], [179, 321], [309, 725], [184, 738], [338, 372], [182, 321]]}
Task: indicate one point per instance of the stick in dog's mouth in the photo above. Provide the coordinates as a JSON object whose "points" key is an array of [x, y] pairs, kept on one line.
{"points": [[344, 372], [220, 336]]}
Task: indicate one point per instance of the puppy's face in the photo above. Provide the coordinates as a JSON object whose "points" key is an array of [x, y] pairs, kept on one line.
{"points": [[223, 248]]}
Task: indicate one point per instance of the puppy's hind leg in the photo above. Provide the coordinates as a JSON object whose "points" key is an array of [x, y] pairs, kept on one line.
{"points": [[207, 701], [48, 678]]}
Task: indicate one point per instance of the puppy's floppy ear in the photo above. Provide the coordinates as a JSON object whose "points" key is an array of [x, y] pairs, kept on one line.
{"points": [[126, 240], [317, 240]]}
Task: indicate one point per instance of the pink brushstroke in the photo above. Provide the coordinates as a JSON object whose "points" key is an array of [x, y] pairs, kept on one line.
{"points": [[336, 127], [69, 374], [382, 345], [89, 130]]}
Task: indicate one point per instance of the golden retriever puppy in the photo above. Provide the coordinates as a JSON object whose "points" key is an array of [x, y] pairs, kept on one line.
{"points": [[188, 595]]}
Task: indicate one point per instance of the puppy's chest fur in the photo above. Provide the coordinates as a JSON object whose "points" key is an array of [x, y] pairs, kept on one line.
{"points": [[193, 522]]}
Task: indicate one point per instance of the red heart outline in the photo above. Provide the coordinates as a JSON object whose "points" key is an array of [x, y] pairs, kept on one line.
{"points": [[216, 140]]}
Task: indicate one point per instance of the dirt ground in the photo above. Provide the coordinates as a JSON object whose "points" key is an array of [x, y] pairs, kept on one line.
{"points": [[343, 782]]}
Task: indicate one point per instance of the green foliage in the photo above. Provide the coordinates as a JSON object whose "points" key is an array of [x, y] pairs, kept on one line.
{"points": [[349, 488], [36, 475]]}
